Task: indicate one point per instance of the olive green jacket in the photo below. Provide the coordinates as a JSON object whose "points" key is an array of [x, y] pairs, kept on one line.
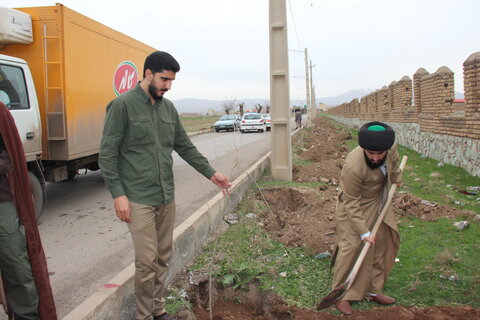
{"points": [[136, 148]]}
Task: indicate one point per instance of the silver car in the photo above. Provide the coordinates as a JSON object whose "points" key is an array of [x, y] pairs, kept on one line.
{"points": [[228, 122]]}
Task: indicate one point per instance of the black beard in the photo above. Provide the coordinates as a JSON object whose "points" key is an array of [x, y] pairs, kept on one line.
{"points": [[151, 90], [374, 165]]}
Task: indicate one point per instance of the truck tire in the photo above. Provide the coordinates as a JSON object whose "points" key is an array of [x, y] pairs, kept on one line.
{"points": [[37, 194]]}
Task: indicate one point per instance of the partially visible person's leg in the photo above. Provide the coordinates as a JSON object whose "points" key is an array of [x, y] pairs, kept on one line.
{"points": [[164, 221], [20, 290], [144, 237]]}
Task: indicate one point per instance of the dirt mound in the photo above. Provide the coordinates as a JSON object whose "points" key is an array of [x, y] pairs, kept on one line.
{"points": [[322, 171], [301, 216], [407, 204]]}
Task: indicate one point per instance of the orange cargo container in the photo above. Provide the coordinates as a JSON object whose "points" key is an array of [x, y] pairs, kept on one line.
{"points": [[73, 60]]}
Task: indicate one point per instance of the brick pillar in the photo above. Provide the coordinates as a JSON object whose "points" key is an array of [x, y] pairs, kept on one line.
{"points": [[404, 92], [363, 106], [444, 91], [391, 97], [382, 99], [373, 101], [356, 107], [417, 90], [471, 77]]}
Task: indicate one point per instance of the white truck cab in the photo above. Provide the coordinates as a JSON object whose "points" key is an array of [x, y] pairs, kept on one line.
{"points": [[17, 92]]}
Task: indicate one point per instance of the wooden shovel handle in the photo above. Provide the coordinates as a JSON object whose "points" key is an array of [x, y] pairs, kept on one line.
{"points": [[379, 221]]}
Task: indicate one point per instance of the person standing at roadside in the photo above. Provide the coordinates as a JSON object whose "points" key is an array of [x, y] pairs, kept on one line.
{"points": [[366, 176], [22, 260], [142, 129], [298, 118]]}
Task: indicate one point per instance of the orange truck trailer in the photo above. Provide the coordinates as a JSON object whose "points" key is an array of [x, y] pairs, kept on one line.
{"points": [[58, 71]]}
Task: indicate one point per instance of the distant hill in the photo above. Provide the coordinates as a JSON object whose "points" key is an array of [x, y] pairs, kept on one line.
{"points": [[191, 105], [345, 97]]}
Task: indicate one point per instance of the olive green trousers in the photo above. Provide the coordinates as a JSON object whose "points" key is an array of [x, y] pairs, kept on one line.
{"points": [[20, 290]]}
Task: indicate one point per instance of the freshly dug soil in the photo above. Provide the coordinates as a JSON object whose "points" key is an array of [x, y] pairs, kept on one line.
{"points": [[253, 304], [304, 216]]}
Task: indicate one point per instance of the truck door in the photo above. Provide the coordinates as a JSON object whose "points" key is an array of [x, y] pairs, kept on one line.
{"points": [[18, 94]]}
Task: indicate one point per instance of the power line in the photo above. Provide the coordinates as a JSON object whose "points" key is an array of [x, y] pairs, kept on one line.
{"points": [[294, 25]]}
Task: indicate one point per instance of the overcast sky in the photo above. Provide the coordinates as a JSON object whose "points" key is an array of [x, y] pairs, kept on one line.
{"points": [[223, 45]]}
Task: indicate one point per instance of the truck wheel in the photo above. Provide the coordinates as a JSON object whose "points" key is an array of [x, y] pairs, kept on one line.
{"points": [[72, 174], [37, 194]]}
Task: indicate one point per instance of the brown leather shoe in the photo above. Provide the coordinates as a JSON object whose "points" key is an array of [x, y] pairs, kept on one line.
{"points": [[344, 307], [383, 299]]}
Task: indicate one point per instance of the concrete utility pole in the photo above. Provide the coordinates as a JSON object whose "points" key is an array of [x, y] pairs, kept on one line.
{"points": [[307, 77], [281, 163], [311, 106]]}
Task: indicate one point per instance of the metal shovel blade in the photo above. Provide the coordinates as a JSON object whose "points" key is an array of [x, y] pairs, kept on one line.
{"points": [[334, 295]]}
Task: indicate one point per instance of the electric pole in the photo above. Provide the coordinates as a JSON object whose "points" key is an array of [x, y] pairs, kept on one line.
{"points": [[281, 162]]}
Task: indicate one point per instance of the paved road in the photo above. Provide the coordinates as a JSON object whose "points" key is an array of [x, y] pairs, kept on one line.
{"points": [[84, 242]]}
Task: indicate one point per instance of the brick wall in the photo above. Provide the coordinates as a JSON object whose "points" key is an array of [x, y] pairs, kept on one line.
{"points": [[428, 100]]}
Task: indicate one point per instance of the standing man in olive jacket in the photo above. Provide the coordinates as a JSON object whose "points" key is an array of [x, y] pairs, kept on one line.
{"points": [[368, 172], [141, 131]]}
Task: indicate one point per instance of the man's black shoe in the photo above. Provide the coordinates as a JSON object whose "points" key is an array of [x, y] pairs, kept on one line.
{"points": [[164, 316]]}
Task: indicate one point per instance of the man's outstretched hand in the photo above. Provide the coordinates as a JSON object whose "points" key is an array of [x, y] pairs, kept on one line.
{"points": [[222, 182]]}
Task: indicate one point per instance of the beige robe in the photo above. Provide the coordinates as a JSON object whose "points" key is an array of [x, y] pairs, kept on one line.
{"points": [[362, 194]]}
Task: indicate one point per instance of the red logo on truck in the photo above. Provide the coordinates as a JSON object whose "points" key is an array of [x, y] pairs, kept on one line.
{"points": [[125, 77]]}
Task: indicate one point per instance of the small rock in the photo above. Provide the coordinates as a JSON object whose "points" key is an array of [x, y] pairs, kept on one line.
{"points": [[440, 164], [460, 225], [397, 260], [322, 255], [477, 218], [330, 218], [428, 203], [250, 215], [459, 203], [283, 274], [231, 219], [324, 180], [322, 187], [334, 182], [453, 277], [260, 224], [435, 174]]}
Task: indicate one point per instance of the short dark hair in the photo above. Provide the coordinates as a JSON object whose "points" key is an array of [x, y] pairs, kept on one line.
{"points": [[159, 61]]}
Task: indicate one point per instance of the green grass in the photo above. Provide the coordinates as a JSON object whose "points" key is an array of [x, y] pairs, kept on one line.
{"points": [[443, 186], [431, 253], [192, 124], [174, 301]]}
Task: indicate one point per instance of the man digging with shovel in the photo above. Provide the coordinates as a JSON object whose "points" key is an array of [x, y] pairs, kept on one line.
{"points": [[367, 173]]}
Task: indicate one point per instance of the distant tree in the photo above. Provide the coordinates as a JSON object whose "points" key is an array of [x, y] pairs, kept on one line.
{"points": [[267, 107], [240, 108], [228, 105], [259, 108]]}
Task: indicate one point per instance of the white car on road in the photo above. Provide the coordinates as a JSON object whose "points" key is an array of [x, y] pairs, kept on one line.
{"points": [[252, 122]]}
